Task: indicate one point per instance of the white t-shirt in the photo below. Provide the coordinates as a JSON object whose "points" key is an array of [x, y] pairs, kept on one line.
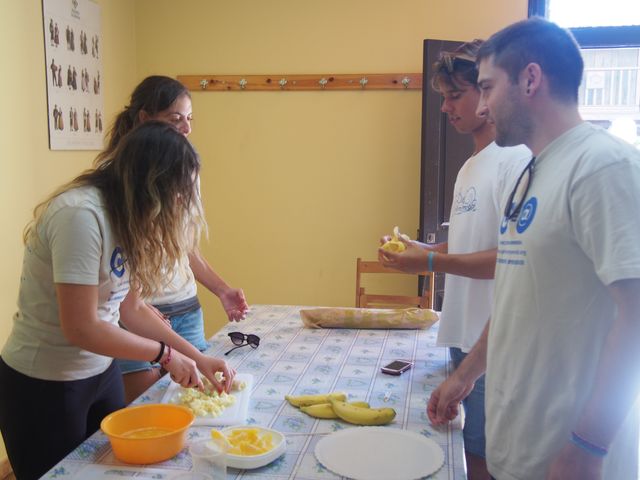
{"points": [[74, 245], [473, 225], [182, 283], [181, 286], [578, 232]]}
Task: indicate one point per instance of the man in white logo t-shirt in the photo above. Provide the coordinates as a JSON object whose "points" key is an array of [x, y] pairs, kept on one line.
{"points": [[561, 350], [468, 258]]}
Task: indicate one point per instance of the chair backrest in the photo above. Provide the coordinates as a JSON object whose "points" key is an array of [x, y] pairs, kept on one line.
{"points": [[366, 300]]}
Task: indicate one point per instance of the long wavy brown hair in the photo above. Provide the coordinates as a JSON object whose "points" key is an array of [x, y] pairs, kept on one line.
{"points": [[149, 191], [153, 95]]}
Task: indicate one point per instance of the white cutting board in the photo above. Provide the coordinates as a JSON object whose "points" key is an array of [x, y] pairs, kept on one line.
{"points": [[235, 414]]}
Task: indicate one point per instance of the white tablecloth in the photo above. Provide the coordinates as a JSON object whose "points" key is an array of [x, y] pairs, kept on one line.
{"points": [[295, 360]]}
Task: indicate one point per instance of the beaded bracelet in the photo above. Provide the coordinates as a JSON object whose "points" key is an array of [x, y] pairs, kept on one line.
{"points": [[166, 361], [430, 260], [157, 359], [587, 446]]}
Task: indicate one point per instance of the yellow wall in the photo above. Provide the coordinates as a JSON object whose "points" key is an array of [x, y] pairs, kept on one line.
{"points": [[28, 169], [296, 184]]}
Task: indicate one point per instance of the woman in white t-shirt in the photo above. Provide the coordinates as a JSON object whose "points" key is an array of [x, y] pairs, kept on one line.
{"points": [[163, 98], [97, 246]]}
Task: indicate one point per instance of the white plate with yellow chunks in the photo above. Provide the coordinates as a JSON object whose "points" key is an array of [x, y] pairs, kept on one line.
{"points": [[211, 408], [251, 446]]}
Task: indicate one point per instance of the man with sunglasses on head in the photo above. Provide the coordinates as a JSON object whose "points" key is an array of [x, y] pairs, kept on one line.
{"points": [[469, 256], [561, 350]]}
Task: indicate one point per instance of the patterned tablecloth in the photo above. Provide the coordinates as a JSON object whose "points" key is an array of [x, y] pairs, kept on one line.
{"points": [[295, 360]]}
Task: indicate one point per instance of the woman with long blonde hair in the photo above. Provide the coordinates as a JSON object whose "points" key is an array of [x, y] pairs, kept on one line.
{"points": [[97, 246]]}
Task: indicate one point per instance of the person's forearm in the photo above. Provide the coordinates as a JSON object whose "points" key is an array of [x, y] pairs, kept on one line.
{"points": [[479, 265], [141, 320], [77, 310], [475, 363], [110, 340], [205, 275], [436, 247], [615, 388]]}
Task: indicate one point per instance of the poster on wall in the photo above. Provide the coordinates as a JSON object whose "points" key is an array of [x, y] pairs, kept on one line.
{"points": [[73, 42]]}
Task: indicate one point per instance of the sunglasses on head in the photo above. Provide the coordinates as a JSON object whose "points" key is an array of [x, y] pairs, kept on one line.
{"points": [[448, 61], [239, 339]]}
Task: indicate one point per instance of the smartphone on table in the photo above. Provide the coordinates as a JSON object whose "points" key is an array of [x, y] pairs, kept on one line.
{"points": [[396, 367]]}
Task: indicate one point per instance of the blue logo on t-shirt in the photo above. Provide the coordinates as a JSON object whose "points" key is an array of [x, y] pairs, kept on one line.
{"points": [[527, 214], [467, 202], [117, 262]]}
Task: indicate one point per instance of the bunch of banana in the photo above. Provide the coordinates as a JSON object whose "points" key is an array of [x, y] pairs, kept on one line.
{"points": [[306, 400], [335, 405], [325, 410], [361, 415], [395, 245]]}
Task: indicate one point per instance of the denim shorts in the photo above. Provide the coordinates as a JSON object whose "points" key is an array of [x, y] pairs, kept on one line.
{"points": [[473, 431], [189, 326]]}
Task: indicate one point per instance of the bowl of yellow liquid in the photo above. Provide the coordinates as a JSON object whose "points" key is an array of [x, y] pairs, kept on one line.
{"points": [[149, 433]]}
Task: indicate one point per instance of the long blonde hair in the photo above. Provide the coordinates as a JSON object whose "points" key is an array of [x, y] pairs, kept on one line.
{"points": [[149, 190]]}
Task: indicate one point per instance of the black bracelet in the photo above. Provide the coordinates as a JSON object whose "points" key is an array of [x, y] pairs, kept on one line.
{"points": [[157, 359]]}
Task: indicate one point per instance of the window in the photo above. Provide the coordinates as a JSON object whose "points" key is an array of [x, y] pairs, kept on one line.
{"points": [[609, 37]]}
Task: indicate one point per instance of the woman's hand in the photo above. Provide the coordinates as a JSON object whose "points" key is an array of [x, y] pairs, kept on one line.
{"points": [[181, 368], [210, 365], [234, 304]]}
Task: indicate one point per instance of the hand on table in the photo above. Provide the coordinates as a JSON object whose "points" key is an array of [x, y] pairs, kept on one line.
{"points": [[234, 304], [183, 370], [210, 365], [444, 403]]}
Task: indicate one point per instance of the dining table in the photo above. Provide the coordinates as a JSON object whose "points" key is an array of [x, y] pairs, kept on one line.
{"points": [[292, 359]]}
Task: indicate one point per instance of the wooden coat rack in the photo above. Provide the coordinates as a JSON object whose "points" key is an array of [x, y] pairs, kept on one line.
{"points": [[364, 81]]}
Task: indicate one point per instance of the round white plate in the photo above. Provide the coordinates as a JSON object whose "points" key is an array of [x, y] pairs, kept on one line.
{"points": [[379, 453], [247, 462]]}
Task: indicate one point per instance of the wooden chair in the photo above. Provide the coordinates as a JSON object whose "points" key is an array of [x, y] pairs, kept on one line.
{"points": [[366, 300]]}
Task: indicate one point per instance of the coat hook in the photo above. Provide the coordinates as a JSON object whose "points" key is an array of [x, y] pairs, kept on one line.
{"points": [[364, 81], [323, 82], [243, 83], [406, 81], [282, 82], [204, 83]]}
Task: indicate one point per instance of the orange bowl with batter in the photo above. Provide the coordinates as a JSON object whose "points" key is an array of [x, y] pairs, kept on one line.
{"points": [[149, 433]]}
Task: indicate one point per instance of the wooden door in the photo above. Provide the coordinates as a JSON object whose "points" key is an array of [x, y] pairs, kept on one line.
{"points": [[444, 150]]}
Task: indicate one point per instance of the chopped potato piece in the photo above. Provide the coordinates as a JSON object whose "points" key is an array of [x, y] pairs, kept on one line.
{"points": [[247, 441]]}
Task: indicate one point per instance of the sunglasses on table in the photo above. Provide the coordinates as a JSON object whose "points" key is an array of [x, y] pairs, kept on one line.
{"points": [[239, 339]]}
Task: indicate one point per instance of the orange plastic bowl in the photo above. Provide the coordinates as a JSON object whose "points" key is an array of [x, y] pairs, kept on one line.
{"points": [[147, 433]]}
